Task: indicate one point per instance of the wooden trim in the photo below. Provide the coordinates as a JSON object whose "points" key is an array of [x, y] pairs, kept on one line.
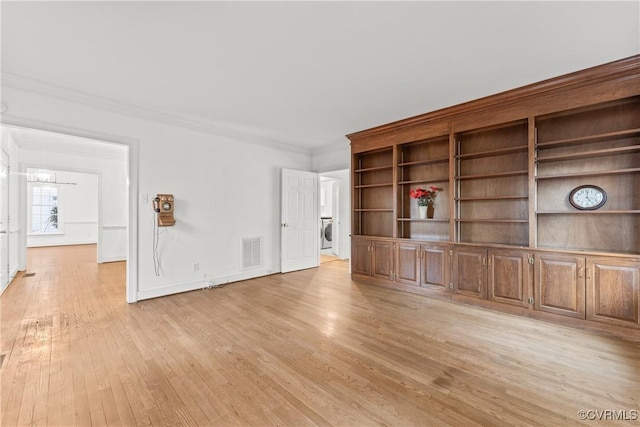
{"points": [[532, 184], [394, 162], [631, 256]]}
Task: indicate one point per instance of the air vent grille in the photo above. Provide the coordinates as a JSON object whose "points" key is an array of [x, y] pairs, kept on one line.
{"points": [[251, 252]]}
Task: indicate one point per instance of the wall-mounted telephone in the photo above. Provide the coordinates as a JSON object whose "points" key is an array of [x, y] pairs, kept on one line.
{"points": [[163, 205]]}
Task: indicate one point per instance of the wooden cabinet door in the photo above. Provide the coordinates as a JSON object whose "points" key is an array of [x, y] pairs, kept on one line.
{"points": [[408, 263], [613, 287], [382, 265], [559, 284], [469, 272], [508, 276], [436, 267], [361, 256]]}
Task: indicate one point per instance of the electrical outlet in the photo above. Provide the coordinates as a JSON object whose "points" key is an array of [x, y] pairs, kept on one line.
{"points": [[196, 266]]}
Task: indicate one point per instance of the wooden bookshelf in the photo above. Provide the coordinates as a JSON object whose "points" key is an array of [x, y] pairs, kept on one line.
{"points": [[504, 234]]}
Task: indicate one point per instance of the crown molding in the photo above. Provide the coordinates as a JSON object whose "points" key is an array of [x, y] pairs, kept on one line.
{"points": [[55, 91], [339, 146]]}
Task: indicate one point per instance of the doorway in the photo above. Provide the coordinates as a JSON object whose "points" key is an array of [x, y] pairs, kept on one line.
{"points": [[335, 227], [4, 220], [91, 182]]}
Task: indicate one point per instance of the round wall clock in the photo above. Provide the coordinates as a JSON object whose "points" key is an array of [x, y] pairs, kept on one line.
{"points": [[587, 197]]}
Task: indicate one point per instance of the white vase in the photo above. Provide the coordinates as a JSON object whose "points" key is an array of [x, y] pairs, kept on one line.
{"points": [[422, 212]]}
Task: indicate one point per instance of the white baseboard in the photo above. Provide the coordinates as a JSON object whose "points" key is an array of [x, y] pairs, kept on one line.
{"points": [[114, 258], [71, 243], [245, 275], [169, 290], [199, 284], [12, 275]]}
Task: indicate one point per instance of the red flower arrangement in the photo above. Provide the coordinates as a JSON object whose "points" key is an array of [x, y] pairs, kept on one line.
{"points": [[425, 197]]}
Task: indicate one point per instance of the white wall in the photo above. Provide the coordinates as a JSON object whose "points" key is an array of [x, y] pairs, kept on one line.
{"points": [[77, 211], [326, 197], [333, 158], [225, 189], [112, 188]]}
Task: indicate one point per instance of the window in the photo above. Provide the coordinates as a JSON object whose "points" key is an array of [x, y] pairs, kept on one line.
{"points": [[44, 209]]}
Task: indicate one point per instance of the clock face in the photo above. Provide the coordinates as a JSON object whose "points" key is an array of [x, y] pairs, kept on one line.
{"points": [[587, 197]]}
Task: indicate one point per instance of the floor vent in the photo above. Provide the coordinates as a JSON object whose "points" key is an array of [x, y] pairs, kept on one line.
{"points": [[251, 252], [29, 274]]}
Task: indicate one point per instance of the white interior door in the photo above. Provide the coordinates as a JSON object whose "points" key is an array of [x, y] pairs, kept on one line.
{"points": [[4, 219], [299, 224]]}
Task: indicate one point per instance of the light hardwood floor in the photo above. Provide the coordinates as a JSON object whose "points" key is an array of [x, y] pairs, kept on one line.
{"points": [[305, 348]]}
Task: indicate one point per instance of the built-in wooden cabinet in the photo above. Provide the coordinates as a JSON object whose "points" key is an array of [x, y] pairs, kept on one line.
{"points": [[423, 164], [598, 145], [372, 257], [613, 288], [509, 275], [361, 256], [373, 195], [504, 234], [492, 185], [600, 289], [426, 265], [408, 263], [469, 271], [501, 275], [560, 285], [435, 273]]}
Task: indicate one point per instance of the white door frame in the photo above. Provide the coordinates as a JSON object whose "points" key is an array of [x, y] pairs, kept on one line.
{"points": [[335, 214], [5, 229], [132, 178]]}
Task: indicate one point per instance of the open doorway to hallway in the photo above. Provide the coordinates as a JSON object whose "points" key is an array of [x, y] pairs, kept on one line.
{"points": [[72, 193], [335, 227]]}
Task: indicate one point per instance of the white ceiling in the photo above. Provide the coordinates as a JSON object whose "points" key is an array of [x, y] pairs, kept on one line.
{"points": [[306, 73]]}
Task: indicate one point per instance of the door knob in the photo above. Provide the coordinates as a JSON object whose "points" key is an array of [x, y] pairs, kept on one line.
{"points": [[285, 225]]}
